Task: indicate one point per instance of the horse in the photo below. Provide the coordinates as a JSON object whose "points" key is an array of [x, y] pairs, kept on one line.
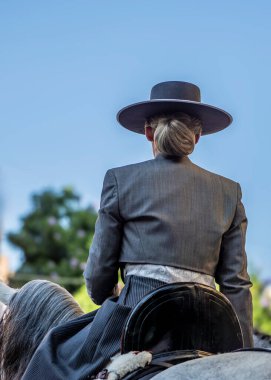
{"points": [[41, 305]]}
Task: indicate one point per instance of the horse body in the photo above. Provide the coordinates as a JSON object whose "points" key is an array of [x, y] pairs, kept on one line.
{"points": [[246, 365]]}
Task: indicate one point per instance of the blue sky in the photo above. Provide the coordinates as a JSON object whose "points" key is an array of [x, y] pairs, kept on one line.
{"points": [[67, 67]]}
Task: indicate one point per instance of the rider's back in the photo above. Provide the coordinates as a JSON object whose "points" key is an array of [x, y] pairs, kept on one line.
{"points": [[174, 213]]}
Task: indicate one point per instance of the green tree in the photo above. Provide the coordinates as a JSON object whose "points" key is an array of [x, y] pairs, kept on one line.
{"points": [[82, 297], [55, 236], [261, 313]]}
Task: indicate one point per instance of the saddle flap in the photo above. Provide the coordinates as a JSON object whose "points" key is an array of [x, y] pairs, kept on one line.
{"points": [[183, 316]]}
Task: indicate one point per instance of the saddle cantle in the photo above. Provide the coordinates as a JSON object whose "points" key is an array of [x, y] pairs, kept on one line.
{"points": [[183, 316]]}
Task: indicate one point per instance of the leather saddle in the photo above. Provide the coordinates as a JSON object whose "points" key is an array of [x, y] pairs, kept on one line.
{"points": [[183, 316]]}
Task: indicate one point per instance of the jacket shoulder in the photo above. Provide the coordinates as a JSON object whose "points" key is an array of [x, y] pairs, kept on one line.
{"points": [[124, 170], [215, 176]]}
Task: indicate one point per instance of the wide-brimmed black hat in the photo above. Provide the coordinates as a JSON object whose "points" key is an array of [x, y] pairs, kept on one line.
{"points": [[171, 97]]}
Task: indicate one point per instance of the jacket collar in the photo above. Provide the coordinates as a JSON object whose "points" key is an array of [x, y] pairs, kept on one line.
{"points": [[183, 159]]}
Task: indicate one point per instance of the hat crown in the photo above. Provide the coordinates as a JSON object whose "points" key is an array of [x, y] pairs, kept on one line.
{"points": [[176, 90]]}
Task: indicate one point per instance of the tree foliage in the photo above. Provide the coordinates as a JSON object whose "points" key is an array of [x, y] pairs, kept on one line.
{"points": [[261, 310], [55, 235], [82, 297]]}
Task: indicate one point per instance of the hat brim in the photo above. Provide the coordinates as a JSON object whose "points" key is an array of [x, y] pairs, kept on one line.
{"points": [[213, 119]]}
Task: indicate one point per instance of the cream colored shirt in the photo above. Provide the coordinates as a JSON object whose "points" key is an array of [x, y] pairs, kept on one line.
{"points": [[168, 274]]}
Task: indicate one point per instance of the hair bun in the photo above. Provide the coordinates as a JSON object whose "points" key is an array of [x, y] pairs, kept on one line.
{"points": [[174, 134]]}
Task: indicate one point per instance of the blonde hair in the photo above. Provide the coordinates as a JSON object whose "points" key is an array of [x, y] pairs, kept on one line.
{"points": [[174, 134]]}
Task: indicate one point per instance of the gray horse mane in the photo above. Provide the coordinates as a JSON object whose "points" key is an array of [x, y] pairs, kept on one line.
{"points": [[261, 340], [31, 311]]}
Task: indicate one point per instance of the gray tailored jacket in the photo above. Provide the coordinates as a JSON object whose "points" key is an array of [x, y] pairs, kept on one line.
{"points": [[172, 212]]}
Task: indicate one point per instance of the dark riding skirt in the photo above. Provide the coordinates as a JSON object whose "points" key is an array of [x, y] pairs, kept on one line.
{"points": [[80, 348]]}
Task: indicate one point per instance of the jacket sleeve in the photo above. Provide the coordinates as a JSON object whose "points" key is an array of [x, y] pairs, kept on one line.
{"points": [[101, 273], [231, 273]]}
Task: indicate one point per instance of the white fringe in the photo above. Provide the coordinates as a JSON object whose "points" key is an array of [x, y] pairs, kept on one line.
{"points": [[121, 365]]}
